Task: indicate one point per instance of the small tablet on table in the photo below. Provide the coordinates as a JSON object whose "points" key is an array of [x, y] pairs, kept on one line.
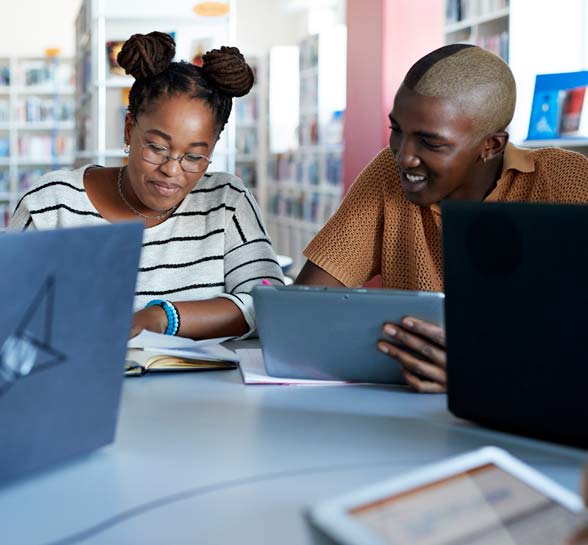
{"points": [[486, 497]]}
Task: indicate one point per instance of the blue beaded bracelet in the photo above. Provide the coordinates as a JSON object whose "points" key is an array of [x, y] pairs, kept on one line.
{"points": [[173, 316]]}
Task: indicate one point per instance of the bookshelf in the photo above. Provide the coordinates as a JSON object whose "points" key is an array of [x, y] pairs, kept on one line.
{"points": [[101, 88], [480, 22], [36, 123], [533, 37], [250, 114], [305, 183]]}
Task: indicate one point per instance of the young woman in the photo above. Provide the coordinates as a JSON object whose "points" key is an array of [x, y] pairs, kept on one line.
{"points": [[205, 245]]}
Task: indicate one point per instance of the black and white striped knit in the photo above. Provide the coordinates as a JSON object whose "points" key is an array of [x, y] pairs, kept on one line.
{"points": [[213, 245]]}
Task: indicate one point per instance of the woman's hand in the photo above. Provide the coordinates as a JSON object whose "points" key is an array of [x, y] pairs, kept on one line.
{"points": [[152, 318], [420, 348]]}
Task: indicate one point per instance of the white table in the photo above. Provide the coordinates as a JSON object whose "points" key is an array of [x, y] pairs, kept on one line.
{"points": [[200, 458]]}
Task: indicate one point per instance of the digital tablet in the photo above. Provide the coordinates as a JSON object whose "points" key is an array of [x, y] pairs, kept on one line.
{"points": [[331, 333], [486, 497]]}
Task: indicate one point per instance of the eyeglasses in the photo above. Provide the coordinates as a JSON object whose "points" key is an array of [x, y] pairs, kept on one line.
{"points": [[156, 154]]}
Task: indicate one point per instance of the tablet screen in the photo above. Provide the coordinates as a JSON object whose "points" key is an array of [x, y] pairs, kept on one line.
{"points": [[481, 506]]}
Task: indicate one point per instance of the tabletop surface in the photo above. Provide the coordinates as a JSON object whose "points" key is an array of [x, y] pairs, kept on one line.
{"points": [[202, 458]]}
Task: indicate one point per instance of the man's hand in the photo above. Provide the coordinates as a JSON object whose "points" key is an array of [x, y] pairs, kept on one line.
{"points": [[420, 348], [581, 535], [152, 318]]}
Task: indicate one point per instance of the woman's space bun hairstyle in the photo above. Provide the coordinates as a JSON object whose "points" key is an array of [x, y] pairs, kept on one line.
{"points": [[145, 56], [226, 68], [223, 75]]}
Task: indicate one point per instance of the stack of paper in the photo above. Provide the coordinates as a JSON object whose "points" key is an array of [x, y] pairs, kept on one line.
{"points": [[206, 349], [253, 371]]}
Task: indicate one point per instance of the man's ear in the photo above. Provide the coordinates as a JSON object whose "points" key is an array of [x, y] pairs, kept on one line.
{"points": [[129, 122], [494, 145]]}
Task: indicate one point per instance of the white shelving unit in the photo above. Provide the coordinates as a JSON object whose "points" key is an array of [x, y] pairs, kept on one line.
{"points": [[481, 22], [101, 90], [36, 123], [305, 184], [250, 114], [574, 144], [536, 37]]}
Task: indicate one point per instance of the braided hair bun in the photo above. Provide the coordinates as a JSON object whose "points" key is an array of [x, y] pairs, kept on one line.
{"points": [[227, 70], [146, 55]]}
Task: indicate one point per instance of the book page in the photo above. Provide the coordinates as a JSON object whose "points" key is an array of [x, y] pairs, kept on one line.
{"points": [[182, 347]]}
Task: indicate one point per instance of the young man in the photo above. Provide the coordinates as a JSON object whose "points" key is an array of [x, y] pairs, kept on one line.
{"points": [[448, 140]]}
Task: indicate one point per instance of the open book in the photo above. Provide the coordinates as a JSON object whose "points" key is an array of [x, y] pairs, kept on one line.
{"points": [[149, 352]]}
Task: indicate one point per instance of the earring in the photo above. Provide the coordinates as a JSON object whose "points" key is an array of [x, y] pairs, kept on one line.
{"points": [[127, 148], [484, 158]]}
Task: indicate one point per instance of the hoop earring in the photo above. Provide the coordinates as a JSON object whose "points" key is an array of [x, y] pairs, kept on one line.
{"points": [[127, 149]]}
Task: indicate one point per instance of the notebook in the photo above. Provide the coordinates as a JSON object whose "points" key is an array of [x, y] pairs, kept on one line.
{"points": [[151, 352], [67, 302], [516, 280]]}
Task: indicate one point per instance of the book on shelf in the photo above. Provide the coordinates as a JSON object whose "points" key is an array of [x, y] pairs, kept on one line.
{"points": [[42, 72], [153, 352], [35, 109], [309, 52], [4, 181], [246, 142], [4, 111], [247, 173], [27, 178], [113, 48], [4, 146], [574, 113], [560, 106], [461, 10], [246, 110], [4, 75], [496, 43], [45, 145]]}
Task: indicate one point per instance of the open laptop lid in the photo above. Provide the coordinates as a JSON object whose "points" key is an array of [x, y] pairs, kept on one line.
{"points": [[516, 316], [67, 298]]}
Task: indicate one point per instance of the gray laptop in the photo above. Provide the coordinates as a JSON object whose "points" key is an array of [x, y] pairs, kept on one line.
{"points": [[67, 298], [331, 333]]}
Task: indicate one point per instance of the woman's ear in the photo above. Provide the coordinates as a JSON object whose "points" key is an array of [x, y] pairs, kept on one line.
{"points": [[494, 145], [129, 123]]}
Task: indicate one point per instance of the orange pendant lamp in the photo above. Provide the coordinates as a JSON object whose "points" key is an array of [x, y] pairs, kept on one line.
{"points": [[211, 9]]}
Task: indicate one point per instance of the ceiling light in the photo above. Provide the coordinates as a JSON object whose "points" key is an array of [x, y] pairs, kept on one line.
{"points": [[211, 9]]}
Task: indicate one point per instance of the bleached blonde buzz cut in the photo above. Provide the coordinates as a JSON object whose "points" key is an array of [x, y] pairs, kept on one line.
{"points": [[479, 81]]}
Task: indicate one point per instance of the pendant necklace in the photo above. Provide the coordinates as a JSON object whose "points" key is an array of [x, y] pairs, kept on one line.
{"points": [[132, 208]]}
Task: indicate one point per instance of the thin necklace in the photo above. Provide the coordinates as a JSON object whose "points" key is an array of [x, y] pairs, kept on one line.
{"points": [[132, 208]]}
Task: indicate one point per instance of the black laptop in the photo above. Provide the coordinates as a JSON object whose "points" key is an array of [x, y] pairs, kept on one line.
{"points": [[67, 298], [516, 287]]}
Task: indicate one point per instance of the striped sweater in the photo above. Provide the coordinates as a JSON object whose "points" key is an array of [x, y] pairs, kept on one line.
{"points": [[213, 245]]}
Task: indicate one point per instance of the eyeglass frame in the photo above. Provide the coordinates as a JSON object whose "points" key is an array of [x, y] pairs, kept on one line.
{"points": [[170, 157]]}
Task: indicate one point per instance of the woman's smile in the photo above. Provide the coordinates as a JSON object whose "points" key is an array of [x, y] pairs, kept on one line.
{"points": [[164, 189]]}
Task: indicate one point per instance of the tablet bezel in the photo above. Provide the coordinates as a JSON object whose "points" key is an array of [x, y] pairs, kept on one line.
{"points": [[332, 516]]}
